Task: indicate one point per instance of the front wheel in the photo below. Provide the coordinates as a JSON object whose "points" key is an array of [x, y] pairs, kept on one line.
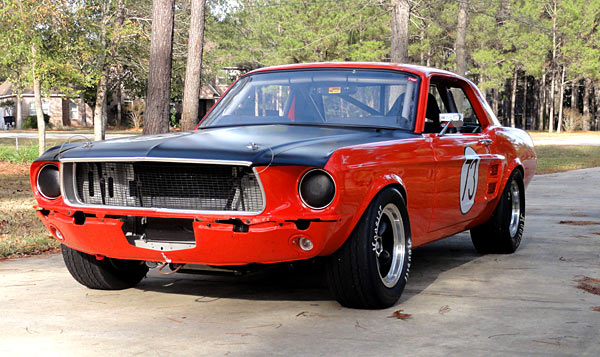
{"points": [[371, 269], [105, 274], [503, 232]]}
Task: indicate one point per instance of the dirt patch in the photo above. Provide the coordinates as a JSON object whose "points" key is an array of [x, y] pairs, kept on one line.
{"points": [[21, 231], [54, 250], [596, 233], [588, 284], [579, 223], [10, 169]]}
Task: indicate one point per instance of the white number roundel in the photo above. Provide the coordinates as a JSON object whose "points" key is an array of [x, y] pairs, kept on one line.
{"points": [[469, 178]]}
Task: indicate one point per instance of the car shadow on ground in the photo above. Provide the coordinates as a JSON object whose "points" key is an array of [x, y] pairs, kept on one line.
{"points": [[306, 281]]}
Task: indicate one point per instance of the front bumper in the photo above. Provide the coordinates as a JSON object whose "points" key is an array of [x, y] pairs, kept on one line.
{"points": [[268, 239]]}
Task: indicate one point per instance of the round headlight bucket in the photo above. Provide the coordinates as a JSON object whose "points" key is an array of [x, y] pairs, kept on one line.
{"points": [[48, 181], [317, 189]]}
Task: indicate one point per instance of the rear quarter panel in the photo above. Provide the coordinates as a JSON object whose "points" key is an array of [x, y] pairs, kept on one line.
{"points": [[517, 147]]}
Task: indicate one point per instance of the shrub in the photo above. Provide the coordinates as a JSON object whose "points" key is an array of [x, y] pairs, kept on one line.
{"points": [[30, 122]]}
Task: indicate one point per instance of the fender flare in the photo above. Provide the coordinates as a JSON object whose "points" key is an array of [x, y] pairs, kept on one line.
{"points": [[387, 180]]}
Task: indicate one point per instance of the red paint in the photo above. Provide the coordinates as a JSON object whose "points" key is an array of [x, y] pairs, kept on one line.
{"points": [[427, 169], [292, 112]]}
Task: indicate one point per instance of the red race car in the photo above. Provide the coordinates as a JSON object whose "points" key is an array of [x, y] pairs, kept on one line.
{"points": [[355, 162]]}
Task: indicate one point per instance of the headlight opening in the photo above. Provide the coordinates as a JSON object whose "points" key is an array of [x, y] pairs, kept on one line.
{"points": [[317, 189], [48, 182]]}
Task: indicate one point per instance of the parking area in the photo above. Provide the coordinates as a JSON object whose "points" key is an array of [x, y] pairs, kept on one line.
{"points": [[542, 300]]}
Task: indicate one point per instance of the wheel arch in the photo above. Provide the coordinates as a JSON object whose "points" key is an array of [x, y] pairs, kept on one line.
{"points": [[386, 181]]}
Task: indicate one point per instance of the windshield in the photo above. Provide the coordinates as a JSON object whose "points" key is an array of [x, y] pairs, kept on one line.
{"points": [[320, 97]]}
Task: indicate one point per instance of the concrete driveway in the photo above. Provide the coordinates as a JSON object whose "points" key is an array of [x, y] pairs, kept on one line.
{"points": [[533, 302]]}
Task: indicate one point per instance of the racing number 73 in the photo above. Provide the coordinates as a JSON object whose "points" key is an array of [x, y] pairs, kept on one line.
{"points": [[469, 177]]}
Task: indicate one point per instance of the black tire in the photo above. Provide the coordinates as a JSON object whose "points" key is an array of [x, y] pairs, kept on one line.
{"points": [[496, 235], [353, 272], [105, 274]]}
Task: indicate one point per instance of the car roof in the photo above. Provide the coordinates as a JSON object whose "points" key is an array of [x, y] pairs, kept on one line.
{"points": [[416, 69]]}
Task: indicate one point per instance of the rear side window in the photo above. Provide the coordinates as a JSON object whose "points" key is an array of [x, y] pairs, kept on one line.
{"points": [[463, 105]]}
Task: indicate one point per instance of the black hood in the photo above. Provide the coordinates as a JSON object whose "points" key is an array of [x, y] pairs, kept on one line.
{"points": [[257, 144]]}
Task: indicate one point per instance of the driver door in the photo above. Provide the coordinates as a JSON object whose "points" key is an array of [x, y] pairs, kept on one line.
{"points": [[462, 161]]}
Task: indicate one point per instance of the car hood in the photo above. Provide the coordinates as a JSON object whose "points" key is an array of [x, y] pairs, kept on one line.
{"points": [[258, 145]]}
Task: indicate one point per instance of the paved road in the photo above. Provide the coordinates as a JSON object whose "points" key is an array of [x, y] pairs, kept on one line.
{"points": [[566, 139], [461, 303]]}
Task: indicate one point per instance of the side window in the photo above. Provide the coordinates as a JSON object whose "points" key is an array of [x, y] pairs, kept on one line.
{"points": [[435, 106], [434, 92], [463, 105]]}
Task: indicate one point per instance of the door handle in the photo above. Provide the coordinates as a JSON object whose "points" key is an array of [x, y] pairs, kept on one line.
{"points": [[487, 142]]}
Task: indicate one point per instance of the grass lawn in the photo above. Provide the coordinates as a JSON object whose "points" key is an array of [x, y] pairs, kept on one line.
{"points": [[557, 158], [21, 231], [28, 149]]}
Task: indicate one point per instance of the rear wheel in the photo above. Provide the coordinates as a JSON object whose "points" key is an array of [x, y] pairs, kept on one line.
{"points": [[504, 230], [105, 274], [371, 269]]}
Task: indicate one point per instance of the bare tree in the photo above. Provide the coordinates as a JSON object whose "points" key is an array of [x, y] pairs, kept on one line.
{"points": [[587, 116], [400, 22], [459, 43], [513, 98], [37, 98], [156, 118], [193, 70]]}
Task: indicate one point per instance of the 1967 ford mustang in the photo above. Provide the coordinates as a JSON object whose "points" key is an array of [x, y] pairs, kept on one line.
{"points": [[354, 162]]}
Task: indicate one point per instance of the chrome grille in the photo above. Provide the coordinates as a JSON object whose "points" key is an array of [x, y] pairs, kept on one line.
{"points": [[166, 185]]}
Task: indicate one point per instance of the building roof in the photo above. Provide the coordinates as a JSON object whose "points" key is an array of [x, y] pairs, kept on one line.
{"points": [[6, 91]]}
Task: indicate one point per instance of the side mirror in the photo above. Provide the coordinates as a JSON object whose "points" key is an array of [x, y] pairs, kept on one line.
{"points": [[448, 120]]}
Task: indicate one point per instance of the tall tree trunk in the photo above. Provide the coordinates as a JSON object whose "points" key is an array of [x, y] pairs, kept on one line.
{"points": [[19, 117], [99, 112], [524, 116], [542, 104], [119, 99], [102, 87], [495, 101], [535, 106], [193, 70], [156, 118], [120, 21], [82, 110], [37, 98], [561, 98], [400, 22], [422, 39], [459, 43], [587, 88], [574, 98], [552, 101], [513, 98], [553, 70], [596, 123]]}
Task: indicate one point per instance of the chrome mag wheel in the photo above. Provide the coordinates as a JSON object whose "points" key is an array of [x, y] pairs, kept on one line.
{"points": [[515, 198], [390, 245]]}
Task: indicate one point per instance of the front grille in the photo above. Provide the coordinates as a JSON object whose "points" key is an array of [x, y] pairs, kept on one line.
{"points": [[167, 185]]}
